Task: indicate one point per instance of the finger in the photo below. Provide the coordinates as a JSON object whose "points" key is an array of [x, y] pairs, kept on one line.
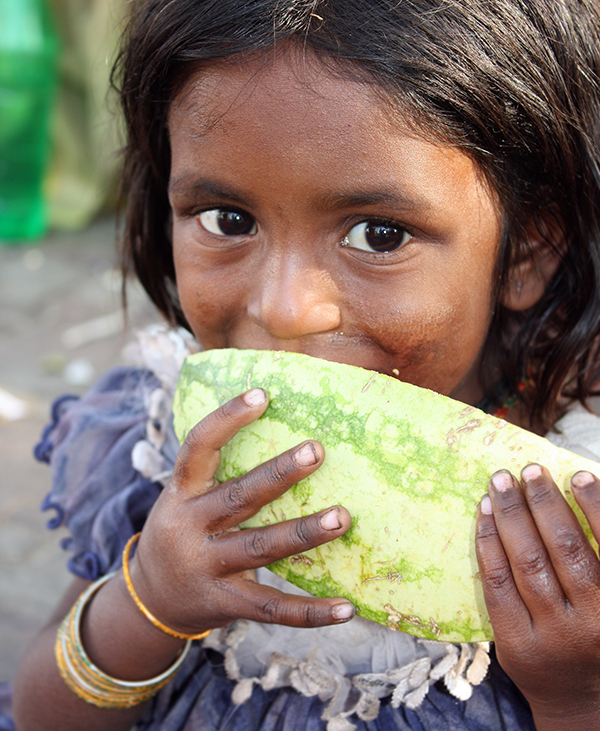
{"points": [[505, 606], [573, 559], [255, 547], [529, 560], [235, 501], [586, 490], [265, 604], [199, 456]]}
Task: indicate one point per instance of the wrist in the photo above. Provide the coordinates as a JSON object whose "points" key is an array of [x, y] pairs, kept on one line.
{"points": [[120, 640], [144, 609]]}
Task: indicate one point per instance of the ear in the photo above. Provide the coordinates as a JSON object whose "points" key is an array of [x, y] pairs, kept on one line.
{"points": [[535, 264]]}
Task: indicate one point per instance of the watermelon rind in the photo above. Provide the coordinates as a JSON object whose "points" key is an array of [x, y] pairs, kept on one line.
{"points": [[409, 464]]}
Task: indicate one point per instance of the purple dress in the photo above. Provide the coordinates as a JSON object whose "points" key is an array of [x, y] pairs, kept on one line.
{"points": [[102, 500]]}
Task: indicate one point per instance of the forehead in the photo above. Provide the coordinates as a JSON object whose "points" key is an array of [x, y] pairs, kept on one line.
{"points": [[288, 87], [245, 118]]}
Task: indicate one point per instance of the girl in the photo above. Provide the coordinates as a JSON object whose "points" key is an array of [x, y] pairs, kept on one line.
{"points": [[412, 187]]}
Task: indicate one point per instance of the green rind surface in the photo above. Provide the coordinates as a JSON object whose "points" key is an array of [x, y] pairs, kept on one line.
{"points": [[410, 465]]}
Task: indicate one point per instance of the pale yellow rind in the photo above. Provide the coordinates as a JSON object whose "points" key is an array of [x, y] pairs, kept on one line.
{"points": [[412, 482]]}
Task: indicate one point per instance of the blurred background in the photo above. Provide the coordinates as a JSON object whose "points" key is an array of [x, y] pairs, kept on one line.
{"points": [[61, 323]]}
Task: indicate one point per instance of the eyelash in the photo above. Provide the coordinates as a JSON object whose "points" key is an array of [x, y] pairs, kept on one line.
{"points": [[215, 218]]}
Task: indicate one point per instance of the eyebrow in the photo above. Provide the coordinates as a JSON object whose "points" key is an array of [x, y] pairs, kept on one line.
{"points": [[389, 196], [334, 201], [188, 185]]}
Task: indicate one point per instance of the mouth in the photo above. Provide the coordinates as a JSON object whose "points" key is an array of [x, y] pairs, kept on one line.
{"points": [[360, 352]]}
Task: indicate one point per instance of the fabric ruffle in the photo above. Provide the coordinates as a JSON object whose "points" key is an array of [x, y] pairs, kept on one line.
{"points": [[96, 491]]}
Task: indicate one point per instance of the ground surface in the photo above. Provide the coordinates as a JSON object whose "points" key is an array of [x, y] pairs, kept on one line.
{"points": [[47, 291]]}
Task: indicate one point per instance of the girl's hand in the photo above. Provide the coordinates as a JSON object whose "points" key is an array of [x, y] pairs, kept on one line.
{"points": [[193, 568], [541, 581]]}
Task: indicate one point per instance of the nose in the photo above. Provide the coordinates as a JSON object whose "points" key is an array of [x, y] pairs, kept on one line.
{"points": [[290, 299]]}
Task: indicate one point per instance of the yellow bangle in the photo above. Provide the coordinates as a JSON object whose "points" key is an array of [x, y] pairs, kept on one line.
{"points": [[142, 608], [90, 683]]}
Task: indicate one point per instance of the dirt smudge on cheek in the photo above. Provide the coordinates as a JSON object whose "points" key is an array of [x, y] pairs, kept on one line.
{"points": [[415, 337], [415, 363]]}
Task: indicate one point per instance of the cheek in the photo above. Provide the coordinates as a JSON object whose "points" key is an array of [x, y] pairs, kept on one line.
{"points": [[414, 336], [433, 333], [208, 299]]}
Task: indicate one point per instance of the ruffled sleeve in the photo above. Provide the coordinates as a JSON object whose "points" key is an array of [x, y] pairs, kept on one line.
{"points": [[96, 491]]}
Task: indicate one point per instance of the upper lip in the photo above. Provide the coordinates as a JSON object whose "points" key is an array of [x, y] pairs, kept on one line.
{"points": [[335, 348]]}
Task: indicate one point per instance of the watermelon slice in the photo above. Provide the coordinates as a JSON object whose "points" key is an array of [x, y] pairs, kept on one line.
{"points": [[410, 465]]}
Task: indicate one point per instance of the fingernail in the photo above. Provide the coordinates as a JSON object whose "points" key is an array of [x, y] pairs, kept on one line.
{"points": [[342, 611], [255, 397], [502, 480], [330, 520], [582, 479], [486, 505], [306, 455], [531, 472]]}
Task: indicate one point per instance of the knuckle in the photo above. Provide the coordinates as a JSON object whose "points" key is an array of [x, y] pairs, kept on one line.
{"points": [[309, 614], [181, 469], [181, 472], [196, 437], [271, 609], [301, 534], [233, 497], [498, 579], [256, 544], [229, 411], [194, 442], [571, 548], [277, 470], [487, 532], [531, 563], [511, 507], [538, 494]]}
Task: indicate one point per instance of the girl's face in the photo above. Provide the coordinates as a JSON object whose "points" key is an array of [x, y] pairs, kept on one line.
{"points": [[307, 219]]}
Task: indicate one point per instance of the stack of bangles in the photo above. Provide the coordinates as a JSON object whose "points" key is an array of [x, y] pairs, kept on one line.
{"points": [[87, 680]]}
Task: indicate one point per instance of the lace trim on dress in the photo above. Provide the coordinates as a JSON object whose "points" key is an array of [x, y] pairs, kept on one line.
{"points": [[460, 667]]}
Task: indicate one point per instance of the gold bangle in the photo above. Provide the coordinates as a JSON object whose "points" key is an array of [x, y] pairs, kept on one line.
{"points": [[90, 683], [138, 602]]}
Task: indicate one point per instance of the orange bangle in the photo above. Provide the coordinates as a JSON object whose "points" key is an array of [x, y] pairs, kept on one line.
{"points": [[142, 608]]}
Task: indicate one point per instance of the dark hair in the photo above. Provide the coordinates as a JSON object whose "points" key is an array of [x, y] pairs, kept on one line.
{"points": [[513, 83]]}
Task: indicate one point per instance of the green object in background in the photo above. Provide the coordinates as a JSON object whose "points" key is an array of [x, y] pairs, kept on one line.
{"points": [[28, 50]]}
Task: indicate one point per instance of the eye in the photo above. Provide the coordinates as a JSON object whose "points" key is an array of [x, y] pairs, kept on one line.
{"points": [[377, 236], [226, 222]]}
